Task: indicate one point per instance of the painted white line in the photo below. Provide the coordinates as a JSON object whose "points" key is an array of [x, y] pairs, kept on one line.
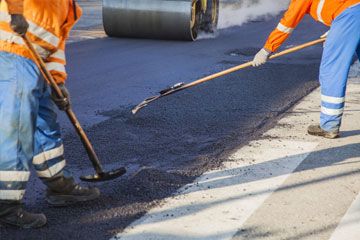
{"points": [[349, 227], [219, 202]]}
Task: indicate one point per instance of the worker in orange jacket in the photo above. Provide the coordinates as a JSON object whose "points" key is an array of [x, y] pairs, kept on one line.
{"points": [[29, 132], [343, 40]]}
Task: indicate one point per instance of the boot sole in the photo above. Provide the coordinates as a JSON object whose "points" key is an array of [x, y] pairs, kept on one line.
{"points": [[35, 225], [328, 135], [66, 200]]}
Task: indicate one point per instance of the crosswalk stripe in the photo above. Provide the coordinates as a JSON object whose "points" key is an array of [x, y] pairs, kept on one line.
{"points": [[219, 201]]}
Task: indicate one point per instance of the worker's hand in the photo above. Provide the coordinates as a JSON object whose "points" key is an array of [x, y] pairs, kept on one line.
{"points": [[261, 57], [62, 103], [19, 24]]}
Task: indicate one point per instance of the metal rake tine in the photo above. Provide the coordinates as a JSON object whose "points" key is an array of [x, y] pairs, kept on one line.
{"points": [[143, 104]]}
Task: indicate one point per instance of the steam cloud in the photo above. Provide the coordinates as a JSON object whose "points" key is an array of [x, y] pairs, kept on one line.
{"points": [[236, 13]]}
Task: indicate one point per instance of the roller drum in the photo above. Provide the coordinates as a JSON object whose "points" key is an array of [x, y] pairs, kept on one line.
{"points": [[163, 19]]}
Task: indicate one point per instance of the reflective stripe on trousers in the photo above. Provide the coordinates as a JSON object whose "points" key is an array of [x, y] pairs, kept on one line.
{"points": [[341, 44], [28, 129]]}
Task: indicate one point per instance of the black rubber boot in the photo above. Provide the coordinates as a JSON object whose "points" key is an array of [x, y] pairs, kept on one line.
{"points": [[316, 130], [12, 213], [63, 191]]}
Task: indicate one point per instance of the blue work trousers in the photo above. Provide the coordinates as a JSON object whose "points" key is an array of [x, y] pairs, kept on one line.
{"points": [[342, 42], [29, 132]]}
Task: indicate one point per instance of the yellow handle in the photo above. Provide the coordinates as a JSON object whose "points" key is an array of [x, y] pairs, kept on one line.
{"points": [[249, 64]]}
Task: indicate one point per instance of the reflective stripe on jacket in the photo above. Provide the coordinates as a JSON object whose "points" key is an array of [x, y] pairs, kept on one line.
{"points": [[50, 23], [324, 11]]}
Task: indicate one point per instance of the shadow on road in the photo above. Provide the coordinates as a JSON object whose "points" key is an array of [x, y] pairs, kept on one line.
{"points": [[223, 179]]}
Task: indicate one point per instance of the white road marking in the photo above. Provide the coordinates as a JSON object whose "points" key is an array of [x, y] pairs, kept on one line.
{"points": [[217, 203], [349, 227]]}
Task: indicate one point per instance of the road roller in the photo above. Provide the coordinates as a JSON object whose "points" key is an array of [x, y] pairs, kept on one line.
{"points": [[160, 19]]}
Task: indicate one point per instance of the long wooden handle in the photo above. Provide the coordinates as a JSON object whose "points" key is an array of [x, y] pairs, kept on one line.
{"points": [[69, 112], [222, 73], [42, 66], [249, 64]]}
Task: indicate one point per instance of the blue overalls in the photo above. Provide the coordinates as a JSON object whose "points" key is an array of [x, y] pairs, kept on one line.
{"points": [[342, 42], [29, 132]]}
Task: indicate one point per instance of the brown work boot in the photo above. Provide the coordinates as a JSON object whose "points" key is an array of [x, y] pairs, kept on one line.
{"points": [[316, 130], [12, 213], [63, 191], [76, 195]]}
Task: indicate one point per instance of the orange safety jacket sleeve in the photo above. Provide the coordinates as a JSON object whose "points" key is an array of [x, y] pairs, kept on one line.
{"points": [[292, 17], [15, 6], [56, 62]]}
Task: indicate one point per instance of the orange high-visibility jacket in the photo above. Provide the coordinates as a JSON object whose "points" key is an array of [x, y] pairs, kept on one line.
{"points": [[324, 11], [15, 6], [50, 23]]}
